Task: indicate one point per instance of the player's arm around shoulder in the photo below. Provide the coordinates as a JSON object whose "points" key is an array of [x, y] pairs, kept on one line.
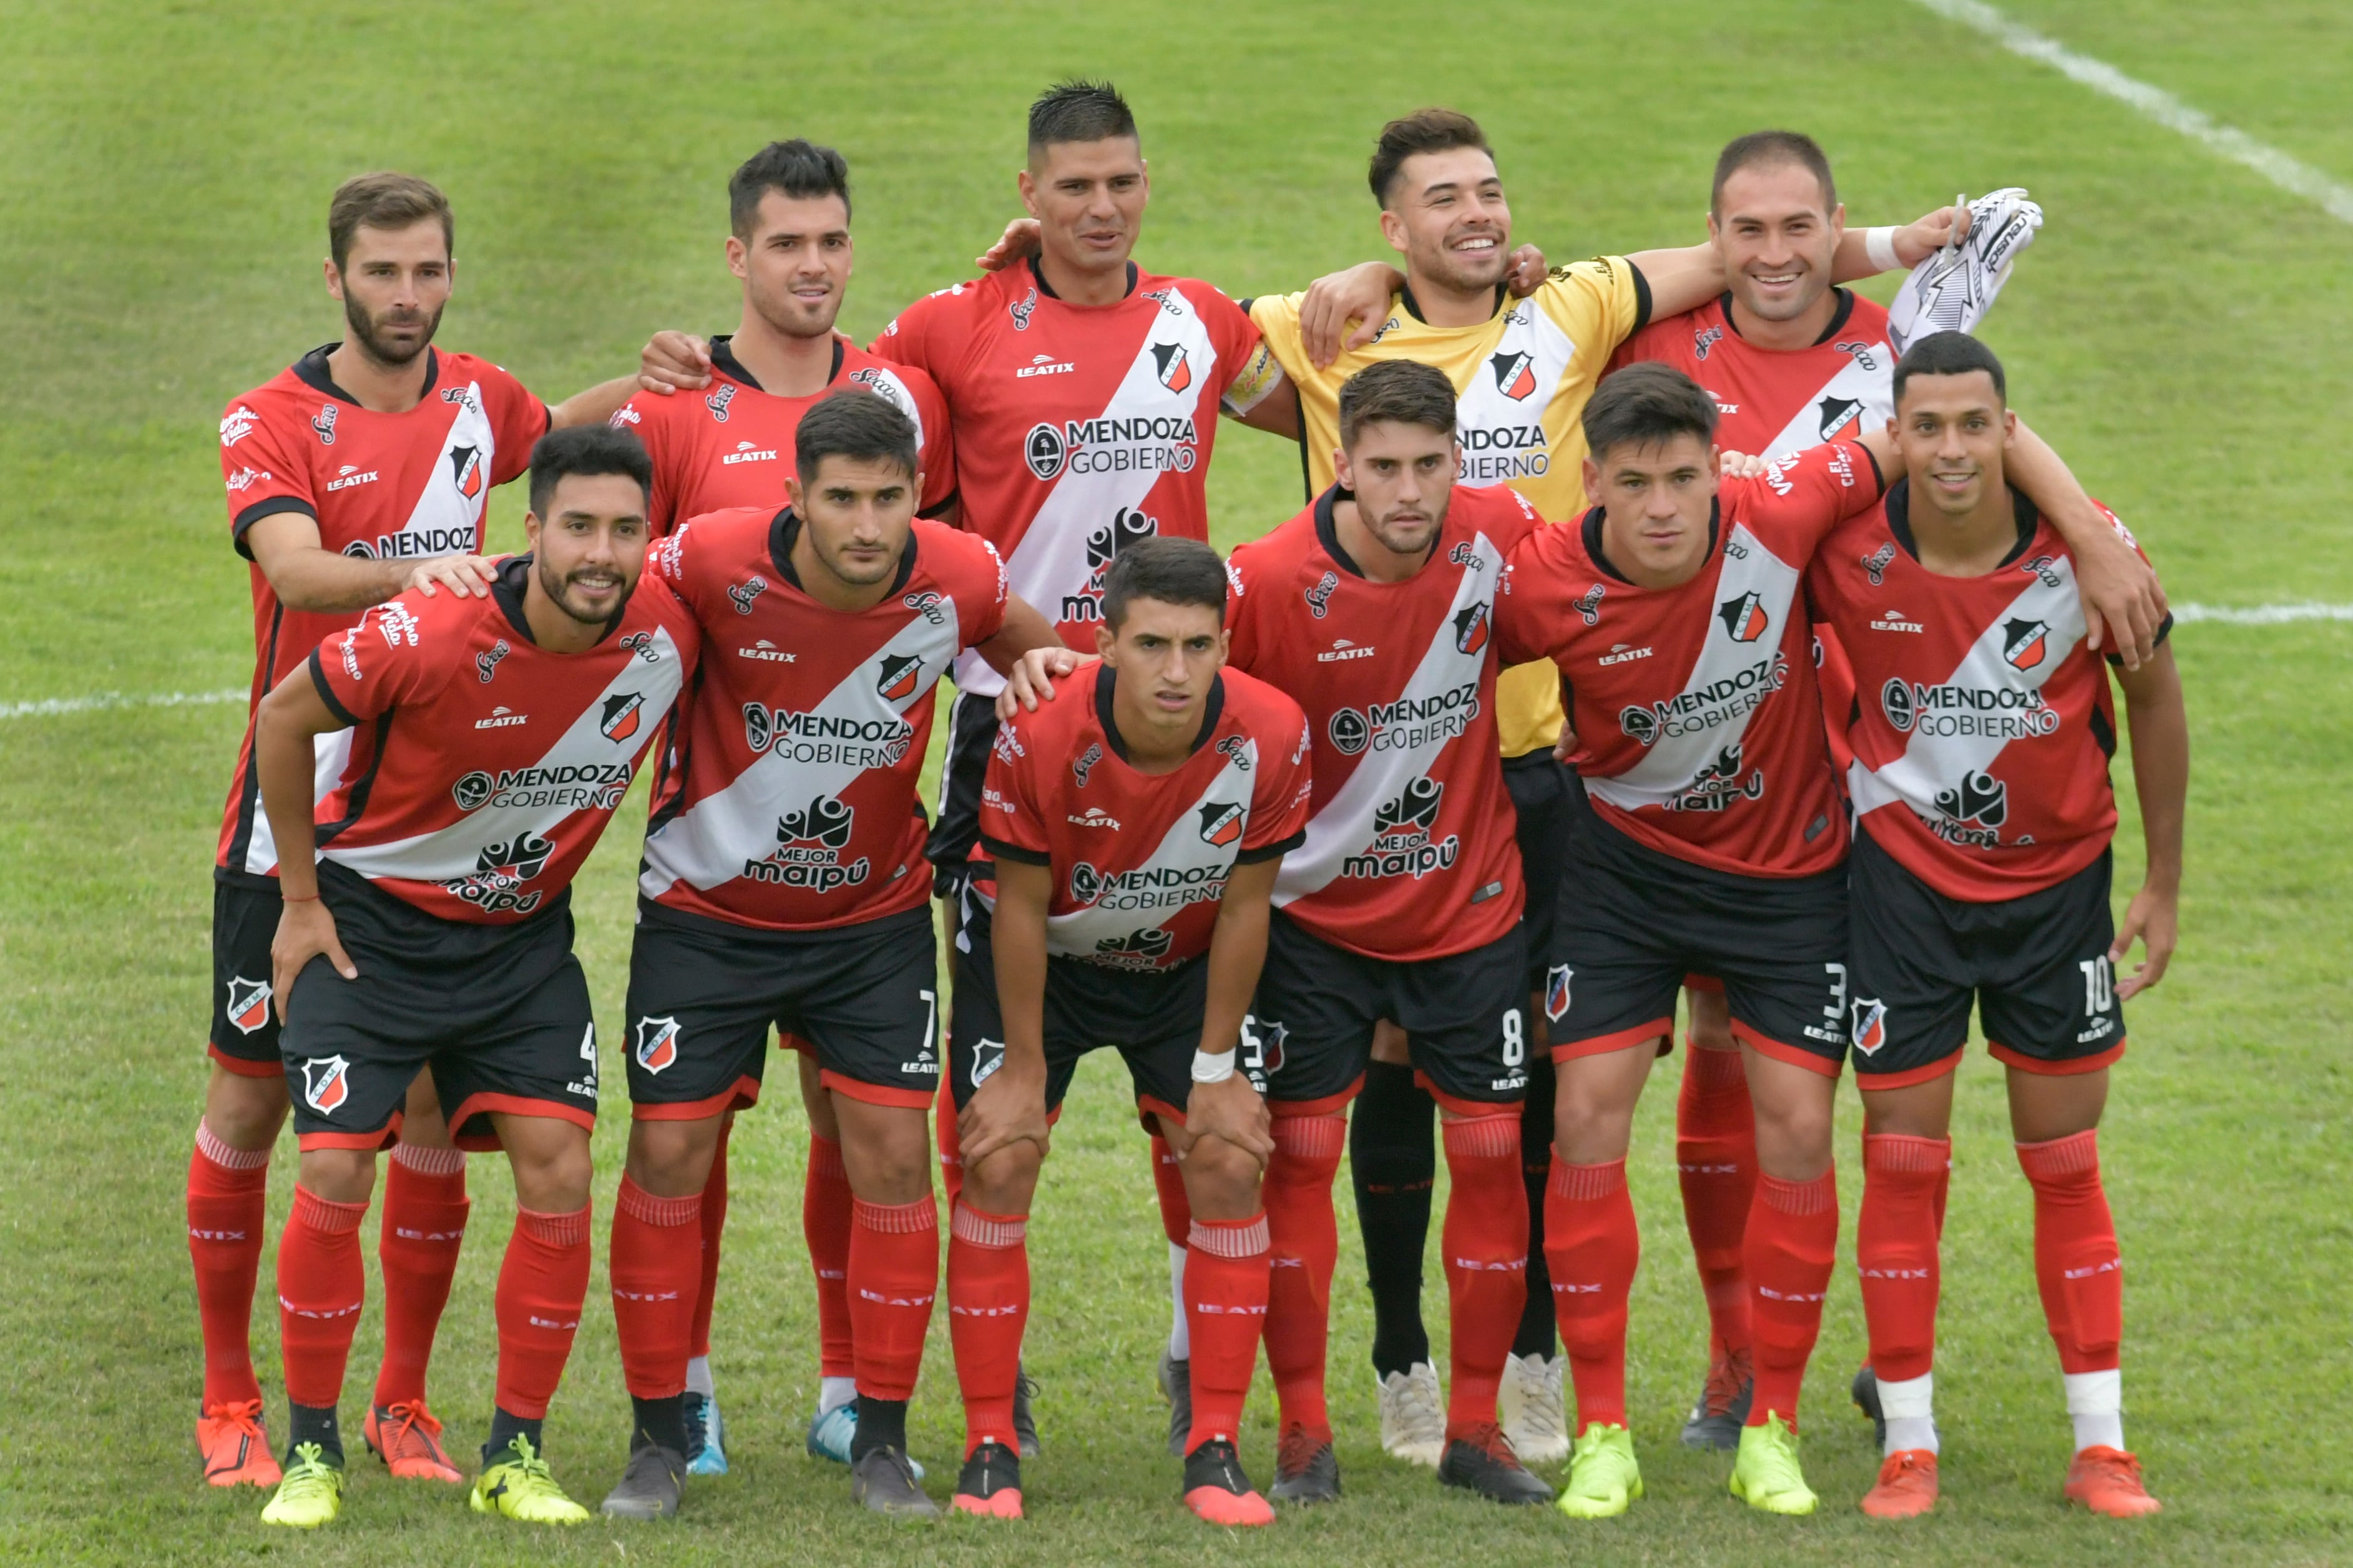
{"points": [[1528, 624], [1807, 494], [2159, 722], [2124, 604]]}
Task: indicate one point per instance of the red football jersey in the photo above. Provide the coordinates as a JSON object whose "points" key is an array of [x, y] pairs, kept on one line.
{"points": [[1984, 726], [794, 806], [1775, 402], [1410, 851], [1140, 860], [1078, 429], [1698, 724], [732, 444], [384, 486], [484, 770]]}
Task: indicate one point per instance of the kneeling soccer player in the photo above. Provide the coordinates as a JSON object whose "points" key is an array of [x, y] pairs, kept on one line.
{"points": [[1980, 782], [1135, 826], [429, 924], [783, 885]]}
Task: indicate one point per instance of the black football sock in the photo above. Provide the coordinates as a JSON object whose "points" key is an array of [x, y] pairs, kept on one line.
{"points": [[505, 1427], [661, 1422], [1536, 1321], [1392, 1161], [314, 1424], [881, 1424]]}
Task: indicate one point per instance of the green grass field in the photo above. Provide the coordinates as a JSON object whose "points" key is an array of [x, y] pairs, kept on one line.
{"points": [[2178, 331]]}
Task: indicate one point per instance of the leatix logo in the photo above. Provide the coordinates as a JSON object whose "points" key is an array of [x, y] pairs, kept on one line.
{"points": [[1744, 617], [657, 1046], [1175, 370], [747, 452], [326, 1083], [624, 711], [1221, 824], [1515, 373], [248, 1002], [466, 470]]}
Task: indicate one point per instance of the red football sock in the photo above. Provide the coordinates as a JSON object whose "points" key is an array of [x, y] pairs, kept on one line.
{"points": [[825, 1222], [227, 1192], [943, 1123], [1485, 1240], [656, 1265], [714, 1221], [1716, 1160], [424, 1206], [1792, 1245], [1304, 1248], [988, 1304], [1904, 1183], [1591, 1246], [2077, 1263], [1168, 1183], [1225, 1298], [320, 1283], [894, 1271], [542, 1286]]}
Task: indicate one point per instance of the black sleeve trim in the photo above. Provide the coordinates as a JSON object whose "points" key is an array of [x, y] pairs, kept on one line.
{"points": [[2164, 630], [1001, 851], [1246, 305], [1275, 850], [327, 693], [1876, 473], [262, 509], [941, 506], [1641, 301]]}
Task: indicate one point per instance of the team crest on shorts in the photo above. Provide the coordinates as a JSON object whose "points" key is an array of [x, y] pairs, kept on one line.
{"points": [[1264, 1045], [248, 1002], [1556, 981], [988, 1055], [326, 1083], [1870, 1024], [657, 1043]]}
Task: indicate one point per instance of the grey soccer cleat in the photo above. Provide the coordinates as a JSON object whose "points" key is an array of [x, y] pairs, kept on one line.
{"points": [[1025, 1421], [649, 1487], [1306, 1470], [1721, 1409], [883, 1482]]}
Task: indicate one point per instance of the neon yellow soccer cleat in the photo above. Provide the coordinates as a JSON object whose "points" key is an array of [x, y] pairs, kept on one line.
{"points": [[1766, 1476], [311, 1495], [522, 1487], [1603, 1480]]}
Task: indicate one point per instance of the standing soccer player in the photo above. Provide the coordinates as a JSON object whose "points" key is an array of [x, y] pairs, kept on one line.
{"points": [[1981, 748], [784, 886], [359, 472], [731, 444], [1130, 835], [428, 925]]}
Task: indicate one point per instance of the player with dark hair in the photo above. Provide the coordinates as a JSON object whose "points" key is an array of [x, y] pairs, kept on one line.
{"points": [[359, 472], [1130, 835], [784, 886], [1981, 745], [427, 925]]}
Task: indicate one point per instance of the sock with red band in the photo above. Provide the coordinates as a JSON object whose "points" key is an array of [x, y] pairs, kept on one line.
{"points": [[656, 1266], [1592, 1247], [988, 1304], [1486, 1239], [894, 1271], [825, 1222], [542, 1284], [1303, 1249], [1716, 1161], [227, 1197], [2079, 1270], [1792, 1246], [1225, 1295], [1176, 1224], [424, 1227], [715, 1223], [1904, 1183], [322, 1280]]}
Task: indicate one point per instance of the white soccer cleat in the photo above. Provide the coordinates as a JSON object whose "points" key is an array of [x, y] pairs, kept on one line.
{"points": [[1952, 290], [1532, 1408], [1413, 1414]]}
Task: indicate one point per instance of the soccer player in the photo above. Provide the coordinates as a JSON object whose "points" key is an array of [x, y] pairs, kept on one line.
{"points": [[731, 445], [783, 885], [1131, 833], [1714, 844], [428, 925], [1981, 747], [359, 472]]}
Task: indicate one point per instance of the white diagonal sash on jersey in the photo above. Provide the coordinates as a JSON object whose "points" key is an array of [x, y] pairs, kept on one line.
{"points": [[1181, 849], [442, 511], [1673, 763], [708, 843], [1050, 564], [448, 853], [329, 753], [1934, 762], [1344, 826], [1866, 381], [894, 390], [1486, 405]]}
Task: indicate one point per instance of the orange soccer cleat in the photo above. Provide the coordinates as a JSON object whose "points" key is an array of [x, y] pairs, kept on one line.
{"points": [[1216, 1489], [407, 1439], [2107, 1481], [1906, 1487], [236, 1449]]}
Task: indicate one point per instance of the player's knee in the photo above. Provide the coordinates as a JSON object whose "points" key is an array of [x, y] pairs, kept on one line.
{"points": [[1221, 1179], [1793, 1137], [1002, 1182], [893, 1161], [552, 1166], [671, 1159], [245, 1113], [338, 1176]]}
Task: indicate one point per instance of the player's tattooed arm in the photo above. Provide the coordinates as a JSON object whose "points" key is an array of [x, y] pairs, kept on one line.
{"points": [[2161, 755], [1231, 1110], [290, 719], [1010, 1106], [308, 577], [2124, 604], [671, 361]]}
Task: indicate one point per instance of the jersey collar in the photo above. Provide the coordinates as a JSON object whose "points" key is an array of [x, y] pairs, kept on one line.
{"points": [[1038, 276], [723, 360], [1590, 534], [1412, 307], [310, 370], [785, 527], [1105, 677], [1838, 317], [1899, 519], [507, 586]]}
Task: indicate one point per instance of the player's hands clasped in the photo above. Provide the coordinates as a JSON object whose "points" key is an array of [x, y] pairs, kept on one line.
{"points": [[673, 362], [1004, 1111], [1031, 679], [467, 576], [1233, 1112], [2155, 919], [306, 927]]}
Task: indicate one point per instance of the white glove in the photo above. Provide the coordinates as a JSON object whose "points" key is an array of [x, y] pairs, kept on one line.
{"points": [[1952, 290]]}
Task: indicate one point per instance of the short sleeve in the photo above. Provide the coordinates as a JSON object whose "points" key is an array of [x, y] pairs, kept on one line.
{"points": [[1276, 317], [677, 617], [1251, 370], [1243, 647], [518, 419], [646, 417], [2165, 627], [1521, 635], [1012, 823], [262, 472], [938, 457], [376, 664], [1599, 304], [1285, 791], [982, 588], [907, 340], [1803, 496]]}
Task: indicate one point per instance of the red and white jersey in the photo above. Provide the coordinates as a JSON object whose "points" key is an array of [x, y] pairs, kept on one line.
{"points": [[1078, 429], [1985, 726], [1410, 851], [1140, 860], [1698, 724], [793, 806], [484, 769], [384, 486], [1774, 402], [732, 444]]}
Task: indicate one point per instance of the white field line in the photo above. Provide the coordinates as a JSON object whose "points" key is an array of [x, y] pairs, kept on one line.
{"points": [[2155, 103], [2262, 615]]}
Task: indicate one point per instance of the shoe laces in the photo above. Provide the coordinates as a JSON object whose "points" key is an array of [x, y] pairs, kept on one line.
{"points": [[408, 1420], [309, 1473], [1902, 1465], [2113, 1464], [1726, 1375], [1297, 1449], [528, 1464], [243, 1414], [1416, 1403], [1777, 1456], [1490, 1439]]}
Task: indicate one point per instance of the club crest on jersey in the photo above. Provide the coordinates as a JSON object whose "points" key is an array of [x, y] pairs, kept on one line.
{"points": [[1838, 413], [1877, 563], [1744, 616], [717, 403], [657, 1046], [1979, 800], [1589, 607], [898, 676], [1221, 823], [1870, 1026], [623, 713], [466, 470], [2025, 643], [248, 1002], [823, 821], [1470, 628], [744, 593], [1556, 981], [1175, 369], [1085, 764], [1020, 312], [486, 663], [1515, 373], [326, 1083], [323, 422], [1319, 597]]}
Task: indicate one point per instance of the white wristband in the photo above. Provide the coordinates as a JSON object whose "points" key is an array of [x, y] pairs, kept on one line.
{"points": [[1879, 245], [1212, 1067]]}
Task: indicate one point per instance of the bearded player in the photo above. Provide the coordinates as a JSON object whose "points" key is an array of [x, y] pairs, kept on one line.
{"points": [[1981, 746], [359, 472], [427, 925]]}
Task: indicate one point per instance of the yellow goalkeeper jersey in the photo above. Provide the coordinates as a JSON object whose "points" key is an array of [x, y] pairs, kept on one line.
{"points": [[1523, 377]]}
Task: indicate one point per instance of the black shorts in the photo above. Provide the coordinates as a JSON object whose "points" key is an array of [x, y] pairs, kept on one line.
{"points": [[1311, 1027], [1640, 920], [2037, 967], [972, 731], [244, 1037], [705, 993], [1152, 1019], [499, 1013], [1541, 789]]}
